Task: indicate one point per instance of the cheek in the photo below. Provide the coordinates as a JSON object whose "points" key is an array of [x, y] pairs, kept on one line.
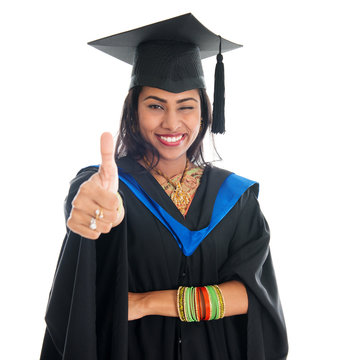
{"points": [[195, 128], [194, 125], [146, 122]]}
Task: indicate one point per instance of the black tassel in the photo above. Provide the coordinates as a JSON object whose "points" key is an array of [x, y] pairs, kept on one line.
{"points": [[218, 123]]}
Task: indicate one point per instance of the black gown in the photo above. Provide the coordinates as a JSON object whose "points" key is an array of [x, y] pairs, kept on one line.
{"points": [[87, 311]]}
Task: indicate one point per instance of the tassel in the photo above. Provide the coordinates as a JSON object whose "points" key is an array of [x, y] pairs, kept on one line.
{"points": [[218, 123]]}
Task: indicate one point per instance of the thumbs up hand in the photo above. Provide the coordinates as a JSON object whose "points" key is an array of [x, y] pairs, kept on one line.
{"points": [[97, 208]]}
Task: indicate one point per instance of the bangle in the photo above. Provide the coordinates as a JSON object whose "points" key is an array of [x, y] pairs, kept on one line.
{"points": [[215, 311], [221, 301], [207, 303], [181, 303], [190, 307], [198, 303], [192, 304], [186, 304]]}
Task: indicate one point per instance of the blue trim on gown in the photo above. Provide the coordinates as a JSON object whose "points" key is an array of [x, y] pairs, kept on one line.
{"points": [[229, 193]]}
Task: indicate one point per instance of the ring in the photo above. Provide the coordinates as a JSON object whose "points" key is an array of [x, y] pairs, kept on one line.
{"points": [[93, 224], [99, 214]]}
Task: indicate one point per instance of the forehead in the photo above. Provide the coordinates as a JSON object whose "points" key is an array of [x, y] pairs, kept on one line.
{"points": [[168, 96]]}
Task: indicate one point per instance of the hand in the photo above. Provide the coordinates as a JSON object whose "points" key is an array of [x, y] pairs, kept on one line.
{"points": [[136, 305], [98, 193]]}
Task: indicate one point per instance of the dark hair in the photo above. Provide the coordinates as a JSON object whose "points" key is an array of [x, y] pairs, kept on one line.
{"points": [[130, 142]]}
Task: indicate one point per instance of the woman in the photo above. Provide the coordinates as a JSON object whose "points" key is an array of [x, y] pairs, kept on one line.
{"points": [[181, 267]]}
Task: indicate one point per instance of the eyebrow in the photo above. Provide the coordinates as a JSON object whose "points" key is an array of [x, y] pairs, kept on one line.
{"points": [[164, 101]]}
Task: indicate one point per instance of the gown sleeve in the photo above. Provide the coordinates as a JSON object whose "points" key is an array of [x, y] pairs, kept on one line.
{"points": [[70, 314], [87, 311], [250, 262]]}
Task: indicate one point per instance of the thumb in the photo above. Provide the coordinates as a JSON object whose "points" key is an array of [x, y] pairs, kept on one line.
{"points": [[108, 168]]}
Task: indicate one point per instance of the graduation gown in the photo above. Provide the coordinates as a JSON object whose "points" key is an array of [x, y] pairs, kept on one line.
{"points": [[87, 314]]}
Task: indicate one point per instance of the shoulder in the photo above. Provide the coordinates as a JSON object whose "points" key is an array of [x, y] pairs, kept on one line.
{"points": [[83, 175], [233, 181]]}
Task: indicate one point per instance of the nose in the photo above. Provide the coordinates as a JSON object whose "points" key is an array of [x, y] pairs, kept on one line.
{"points": [[171, 120]]}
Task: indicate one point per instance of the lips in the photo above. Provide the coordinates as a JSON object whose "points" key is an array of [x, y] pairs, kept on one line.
{"points": [[171, 139]]}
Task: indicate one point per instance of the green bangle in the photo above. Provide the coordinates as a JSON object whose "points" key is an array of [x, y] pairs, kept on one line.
{"points": [[214, 303], [196, 318], [191, 304], [192, 299], [187, 304]]}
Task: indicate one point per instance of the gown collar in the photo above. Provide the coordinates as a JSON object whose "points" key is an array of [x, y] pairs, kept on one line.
{"points": [[226, 197]]}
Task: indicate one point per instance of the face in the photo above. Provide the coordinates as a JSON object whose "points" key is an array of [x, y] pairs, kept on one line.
{"points": [[169, 121]]}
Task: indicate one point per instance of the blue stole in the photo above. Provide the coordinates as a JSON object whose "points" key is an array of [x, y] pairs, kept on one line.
{"points": [[229, 193]]}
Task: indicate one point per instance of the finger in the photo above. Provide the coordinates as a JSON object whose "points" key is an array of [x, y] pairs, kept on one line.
{"points": [[107, 149], [108, 168], [79, 217], [93, 191], [85, 231], [80, 229], [90, 207]]}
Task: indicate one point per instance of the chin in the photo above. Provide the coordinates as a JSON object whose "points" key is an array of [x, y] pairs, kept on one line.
{"points": [[171, 157], [170, 154]]}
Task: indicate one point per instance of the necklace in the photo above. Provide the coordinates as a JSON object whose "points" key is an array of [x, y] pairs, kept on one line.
{"points": [[179, 197]]}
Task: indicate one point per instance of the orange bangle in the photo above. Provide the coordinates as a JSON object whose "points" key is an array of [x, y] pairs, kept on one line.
{"points": [[198, 301], [207, 303]]}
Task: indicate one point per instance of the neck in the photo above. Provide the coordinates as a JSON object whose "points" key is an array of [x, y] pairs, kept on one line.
{"points": [[172, 167]]}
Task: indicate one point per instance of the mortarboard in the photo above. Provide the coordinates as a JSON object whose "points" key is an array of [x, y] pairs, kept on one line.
{"points": [[168, 54]]}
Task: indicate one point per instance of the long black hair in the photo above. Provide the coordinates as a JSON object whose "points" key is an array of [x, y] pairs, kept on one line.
{"points": [[130, 142]]}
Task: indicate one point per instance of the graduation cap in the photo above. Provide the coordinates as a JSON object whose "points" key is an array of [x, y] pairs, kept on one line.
{"points": [[167, 55]]}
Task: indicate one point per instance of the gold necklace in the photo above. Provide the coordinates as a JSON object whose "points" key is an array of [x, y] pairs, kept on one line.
{"points": [[179, 197]]}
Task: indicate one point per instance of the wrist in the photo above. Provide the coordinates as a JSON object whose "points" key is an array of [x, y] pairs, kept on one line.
{"points": [[147, 303], [161, 302]]}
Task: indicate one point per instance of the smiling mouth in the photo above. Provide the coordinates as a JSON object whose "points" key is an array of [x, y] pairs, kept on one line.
{"points": [[171, 140]]}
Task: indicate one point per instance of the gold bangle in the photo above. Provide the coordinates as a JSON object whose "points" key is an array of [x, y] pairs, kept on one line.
{"points": [[180, 303], [221, 301]]}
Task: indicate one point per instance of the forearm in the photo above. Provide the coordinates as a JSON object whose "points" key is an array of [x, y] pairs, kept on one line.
{"points": [[164, 302], [235, 296], [161, 303]]}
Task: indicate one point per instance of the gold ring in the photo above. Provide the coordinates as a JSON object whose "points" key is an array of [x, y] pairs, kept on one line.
{"points": [[99, 213]]}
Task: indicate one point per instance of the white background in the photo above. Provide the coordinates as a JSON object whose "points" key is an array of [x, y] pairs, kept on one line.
{"points": [[292, 101]]}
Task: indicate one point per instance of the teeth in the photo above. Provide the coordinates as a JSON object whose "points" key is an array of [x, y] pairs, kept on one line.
{"points": [[171, 139]]}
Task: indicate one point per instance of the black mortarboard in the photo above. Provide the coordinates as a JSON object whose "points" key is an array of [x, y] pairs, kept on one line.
{"points": [[168, 54]]}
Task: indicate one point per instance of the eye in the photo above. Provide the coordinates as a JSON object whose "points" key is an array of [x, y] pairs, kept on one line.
{"points": [[155, 107], [186, 108]]}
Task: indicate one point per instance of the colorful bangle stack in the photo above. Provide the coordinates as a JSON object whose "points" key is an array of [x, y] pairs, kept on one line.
{"points": [[190, 307]]}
